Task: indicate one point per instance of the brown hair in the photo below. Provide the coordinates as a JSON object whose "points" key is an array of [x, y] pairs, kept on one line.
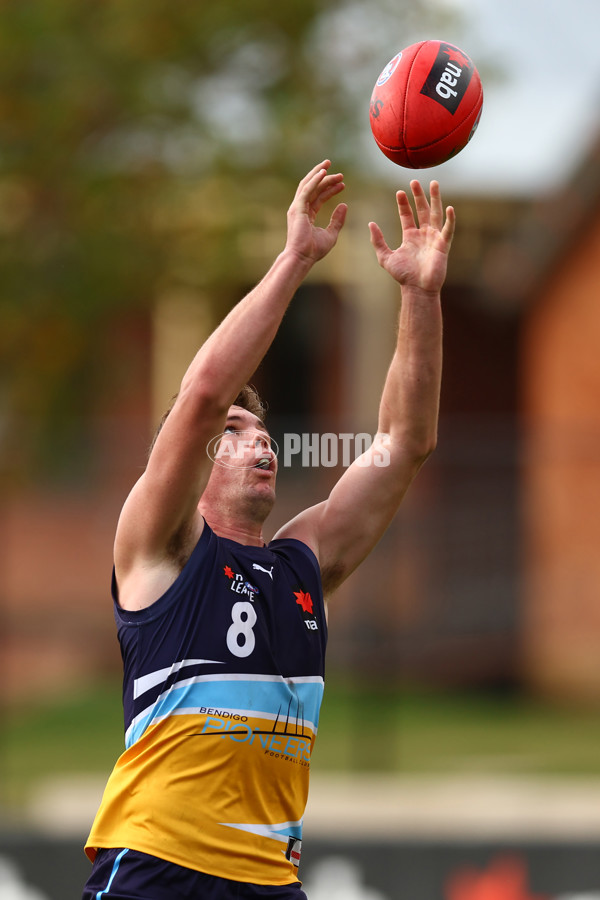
{"points": [[248, 398]]}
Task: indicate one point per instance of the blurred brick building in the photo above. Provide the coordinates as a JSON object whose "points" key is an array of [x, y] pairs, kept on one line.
{"points": [[490, 573]]}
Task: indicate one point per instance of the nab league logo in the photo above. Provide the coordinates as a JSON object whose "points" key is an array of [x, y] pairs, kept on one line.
{"points": [[389, 69], [238, 584]]}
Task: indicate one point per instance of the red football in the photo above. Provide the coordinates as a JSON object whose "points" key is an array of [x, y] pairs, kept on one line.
{"points": [[426, 104]]}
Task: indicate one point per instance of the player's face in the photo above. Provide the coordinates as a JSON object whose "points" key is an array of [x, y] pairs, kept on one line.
{"points": [[246, 445]]}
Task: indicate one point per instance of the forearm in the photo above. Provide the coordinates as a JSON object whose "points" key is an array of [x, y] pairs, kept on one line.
{"points": [[235, 349], [410, 400]]}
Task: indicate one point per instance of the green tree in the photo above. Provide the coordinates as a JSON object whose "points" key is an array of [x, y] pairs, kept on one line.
{"points": [[129, 131]]}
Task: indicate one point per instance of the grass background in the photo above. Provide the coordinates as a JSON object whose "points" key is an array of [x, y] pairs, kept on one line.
{"points": [[363, 728]]}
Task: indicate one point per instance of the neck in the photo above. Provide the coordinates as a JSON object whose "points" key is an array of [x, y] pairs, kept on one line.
{"points": [[249, 533]]}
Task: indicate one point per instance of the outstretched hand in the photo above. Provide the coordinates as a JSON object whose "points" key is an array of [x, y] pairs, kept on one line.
{"points": [[421, 260], [305, 238]]}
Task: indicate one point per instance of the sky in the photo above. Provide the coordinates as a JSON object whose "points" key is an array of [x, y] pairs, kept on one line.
{"points": [[542, 113]]}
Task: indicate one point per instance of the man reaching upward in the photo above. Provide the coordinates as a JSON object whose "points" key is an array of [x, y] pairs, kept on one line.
{"points": [[223, 635]]}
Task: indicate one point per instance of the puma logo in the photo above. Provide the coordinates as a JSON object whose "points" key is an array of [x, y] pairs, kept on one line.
{"points": [[268, 572]]}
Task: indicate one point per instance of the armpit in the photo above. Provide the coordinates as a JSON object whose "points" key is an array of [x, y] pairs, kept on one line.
{"points": [[180, 545], [332, 576]]}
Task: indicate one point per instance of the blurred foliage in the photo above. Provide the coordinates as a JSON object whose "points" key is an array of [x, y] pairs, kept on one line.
{"points": [[130, 133]]}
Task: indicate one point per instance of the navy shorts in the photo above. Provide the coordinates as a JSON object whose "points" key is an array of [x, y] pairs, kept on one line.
{"points": [[130, 875]]}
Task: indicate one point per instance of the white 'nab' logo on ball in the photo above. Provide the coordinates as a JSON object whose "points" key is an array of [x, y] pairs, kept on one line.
{"points": [[449, 77]]}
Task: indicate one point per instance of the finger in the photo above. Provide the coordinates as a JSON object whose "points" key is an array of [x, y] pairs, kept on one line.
{"points": [[421, 204], [379, 243], [321, 187], [326, 189], [315, 171], [337, 220], [437, 210], [407, 219], [449, 224], [312, 178]]}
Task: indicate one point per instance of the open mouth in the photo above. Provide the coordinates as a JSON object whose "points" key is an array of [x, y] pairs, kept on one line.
{"points": [[263, 463]]}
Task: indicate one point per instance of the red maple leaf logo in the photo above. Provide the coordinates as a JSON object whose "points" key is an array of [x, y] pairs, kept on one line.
{"points": [[457, 56], [229, 572], [506, 879], [304, 600]]}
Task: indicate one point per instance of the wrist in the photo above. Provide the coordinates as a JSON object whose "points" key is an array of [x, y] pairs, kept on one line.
{"points": [[296, 262], [417, 293]]}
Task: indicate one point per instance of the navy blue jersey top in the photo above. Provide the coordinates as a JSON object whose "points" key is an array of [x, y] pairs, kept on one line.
{"points": [[223, 681]]}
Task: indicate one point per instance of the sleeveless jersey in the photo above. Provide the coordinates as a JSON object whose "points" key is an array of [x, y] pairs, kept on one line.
{"points": [[223, 681]]}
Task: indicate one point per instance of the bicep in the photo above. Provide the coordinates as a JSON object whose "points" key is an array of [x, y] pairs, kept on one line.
{"points": [[165, 499]]}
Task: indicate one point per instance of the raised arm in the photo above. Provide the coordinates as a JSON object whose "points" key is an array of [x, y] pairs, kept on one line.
{"points": [[162, 506], [344, 528], [410, 399]]}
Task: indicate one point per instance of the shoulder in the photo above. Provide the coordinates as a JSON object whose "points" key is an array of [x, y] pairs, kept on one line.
{"points": [[293, 547], [302, 529], [302, 532], [142, 578]]}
